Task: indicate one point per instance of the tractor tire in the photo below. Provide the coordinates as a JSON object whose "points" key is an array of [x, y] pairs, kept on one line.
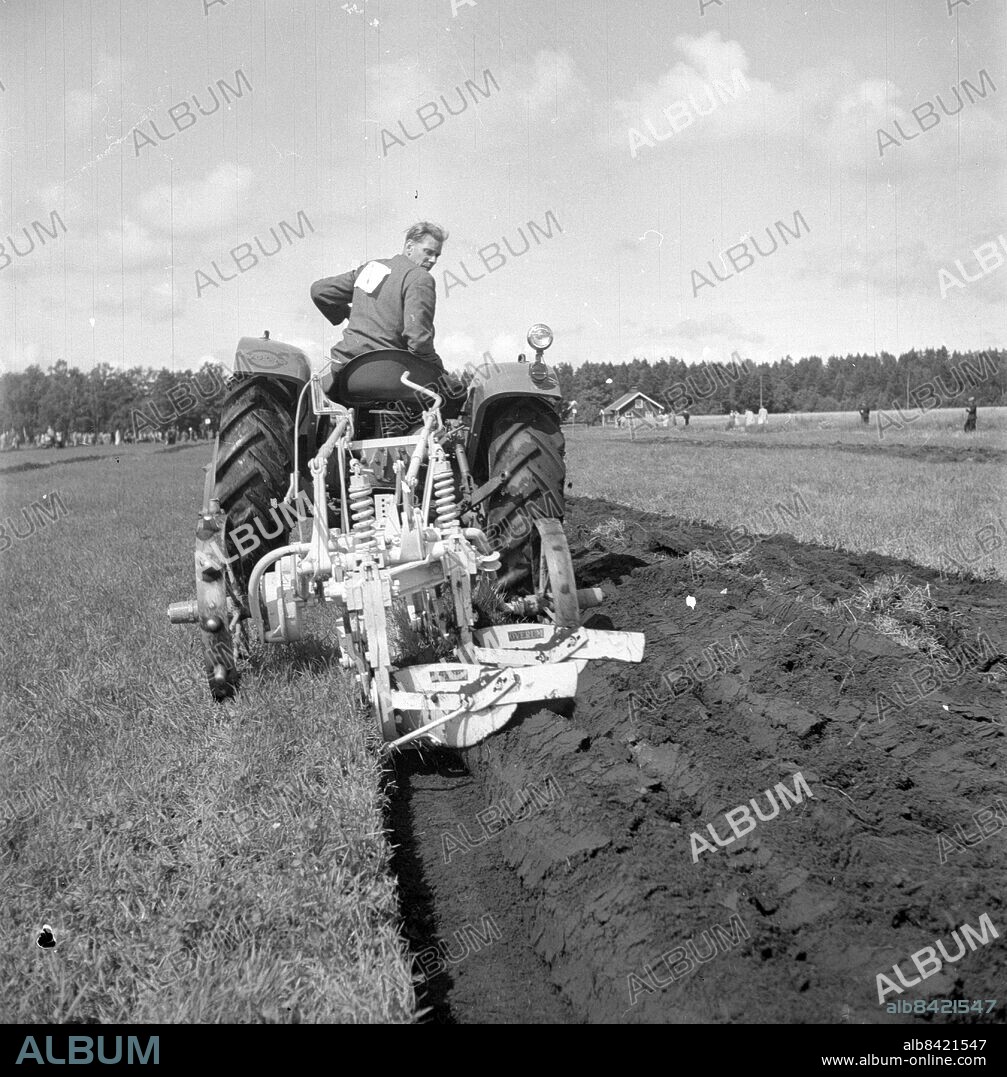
{"points": [[254, 462], [526, 441]]}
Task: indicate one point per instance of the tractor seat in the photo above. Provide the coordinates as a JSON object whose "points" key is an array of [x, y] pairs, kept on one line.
{"points": [[376, 378]]}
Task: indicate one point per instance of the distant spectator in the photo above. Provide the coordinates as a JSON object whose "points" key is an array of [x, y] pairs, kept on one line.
{"points": [[763, 418], [970, 416], [685, 417], [865, 414], [732, 420], [749, 420]]}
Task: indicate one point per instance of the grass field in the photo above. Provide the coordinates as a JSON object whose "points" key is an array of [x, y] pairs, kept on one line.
{"points": [[197, 863], [915, 493]]}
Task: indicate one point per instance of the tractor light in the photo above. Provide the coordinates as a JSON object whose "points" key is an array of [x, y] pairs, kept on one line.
{"points": [[539, 336]]}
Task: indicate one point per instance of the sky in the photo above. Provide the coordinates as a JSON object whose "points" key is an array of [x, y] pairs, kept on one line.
{"points": [[153, 155]]}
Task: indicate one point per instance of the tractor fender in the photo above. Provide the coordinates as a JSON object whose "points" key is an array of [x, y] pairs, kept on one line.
{"points": [[272, 359], [488, 392]]}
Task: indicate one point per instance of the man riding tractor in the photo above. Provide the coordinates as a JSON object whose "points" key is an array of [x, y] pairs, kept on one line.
{"points": [[402, 525], [389, 302]]}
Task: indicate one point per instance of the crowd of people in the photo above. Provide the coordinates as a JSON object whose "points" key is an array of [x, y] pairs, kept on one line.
{"points": [[60, 439], [753, 421], [758, 422]]}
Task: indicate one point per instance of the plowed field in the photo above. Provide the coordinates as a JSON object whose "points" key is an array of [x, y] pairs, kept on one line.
{"points": [[891, 710]]}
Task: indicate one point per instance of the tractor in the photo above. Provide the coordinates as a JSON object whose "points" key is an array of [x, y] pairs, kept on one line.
{"points": [[423, 509]]}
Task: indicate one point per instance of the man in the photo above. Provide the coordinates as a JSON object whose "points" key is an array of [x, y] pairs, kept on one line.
{"points": [[970, 416], [763, 418], [389, 301], [865, 414]]}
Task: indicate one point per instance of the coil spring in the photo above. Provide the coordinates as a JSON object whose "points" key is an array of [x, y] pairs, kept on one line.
{"points": [[362, 514], [445, 499]]}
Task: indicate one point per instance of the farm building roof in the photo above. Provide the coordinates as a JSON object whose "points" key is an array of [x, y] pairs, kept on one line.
{"points": [[628, 398]]}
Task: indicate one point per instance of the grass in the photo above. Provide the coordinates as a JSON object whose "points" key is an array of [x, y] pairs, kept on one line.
{"points": [[792, 479], [197, 862]]}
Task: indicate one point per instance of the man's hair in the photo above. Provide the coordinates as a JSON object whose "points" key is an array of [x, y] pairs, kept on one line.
{"points": [[426, 228]]}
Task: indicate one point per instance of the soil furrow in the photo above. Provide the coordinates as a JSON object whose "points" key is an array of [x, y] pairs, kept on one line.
{"points": [[640, 920]]}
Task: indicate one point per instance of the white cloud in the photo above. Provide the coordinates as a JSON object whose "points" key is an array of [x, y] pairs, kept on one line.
{"points": [[529, 99], [876, 105], [710, 57], [200, 207], [551, 83], [713, 84], [456, 349]]}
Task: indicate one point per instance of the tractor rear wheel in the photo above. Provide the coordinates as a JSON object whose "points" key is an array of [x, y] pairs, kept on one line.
{"points": [[526, 442], [254, 462]]}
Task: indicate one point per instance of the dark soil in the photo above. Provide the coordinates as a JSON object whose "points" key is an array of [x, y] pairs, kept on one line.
{"points": [[600, 880], [447, 881]]}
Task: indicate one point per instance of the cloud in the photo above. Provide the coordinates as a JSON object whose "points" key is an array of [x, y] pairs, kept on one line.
{"points": [[711, 57], [456, 349], [863, 125], [552, 86], [708, 96], [198, 208], [529, 100], [911, 269]]}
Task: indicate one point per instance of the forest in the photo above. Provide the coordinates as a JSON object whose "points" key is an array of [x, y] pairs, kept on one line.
{"points": [[914, 379], [144, 401]]}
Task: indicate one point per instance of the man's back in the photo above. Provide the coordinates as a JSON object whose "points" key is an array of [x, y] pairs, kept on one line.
{"points": [[390, 303]]}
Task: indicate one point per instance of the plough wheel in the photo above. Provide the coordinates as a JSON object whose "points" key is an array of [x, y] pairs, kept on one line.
{"points": [[555, 587]]}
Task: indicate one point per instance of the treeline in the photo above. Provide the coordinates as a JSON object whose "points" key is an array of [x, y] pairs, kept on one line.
{"points": [[138, 402], [141, 401], [838, 383]]}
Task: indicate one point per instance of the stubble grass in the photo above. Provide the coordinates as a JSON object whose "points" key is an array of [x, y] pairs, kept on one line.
{"points": [[797, 478], [197, 862]]}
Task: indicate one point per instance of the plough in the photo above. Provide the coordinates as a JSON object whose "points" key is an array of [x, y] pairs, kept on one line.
{"points": [[399, 546]]}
